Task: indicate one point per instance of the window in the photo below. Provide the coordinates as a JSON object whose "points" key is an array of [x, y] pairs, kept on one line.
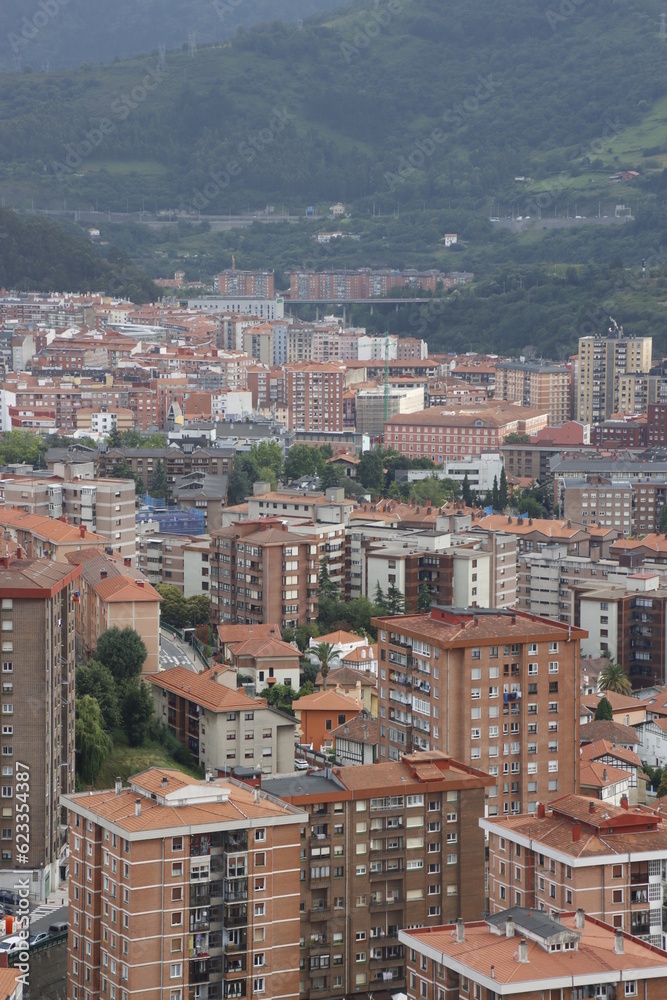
{"points": [[631, 988], [260, 835], [176, 869], [258, 985], [177, 843], [176, 970], [176, 918]]}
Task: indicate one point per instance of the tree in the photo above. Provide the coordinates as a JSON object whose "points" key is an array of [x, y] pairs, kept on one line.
{"points": [[325, 654], [123, 470], [138, 710], [495, 494], [604, 710], [530, 506], [503, 495], [198, 609], [123, 652], [370, 472], [240, 482], [395, 601], [303, 634], [662, 523], [174, 607], [158, 484], [303, 460], [93, 743], [515, 438], [326, 585], [614, 678], [96, 680], [380, 599], [279, 695], [662, 787], [424, 599], [466, 492]]}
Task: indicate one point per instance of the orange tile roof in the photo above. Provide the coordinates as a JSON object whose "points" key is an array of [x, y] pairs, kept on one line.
{"points": [[361, 654], [261, 646], [594, 955], [327, 701], [123, 588], [168, 813], [618, 702], [463, 631], [340, 638], [204, 690], [49, 528], [525, 525], [594, 775], [603, 748], [238, 633]]}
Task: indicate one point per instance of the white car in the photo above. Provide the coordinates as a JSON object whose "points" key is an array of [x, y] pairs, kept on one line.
{"points": [[14, 943], [301, 765]]}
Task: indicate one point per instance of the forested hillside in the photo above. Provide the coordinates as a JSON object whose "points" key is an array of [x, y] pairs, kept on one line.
{"points": [[65, 33]]}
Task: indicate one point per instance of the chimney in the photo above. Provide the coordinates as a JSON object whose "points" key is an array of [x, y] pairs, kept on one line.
{"points": [[118, 785], [460, 931], [619, 943], [140, 583], [165, 781], [541, 810], [492, 972], [523, 951], [127, 561], [576, 833], [580, 919], [103, 574], [256, 796], [137, 807], [509, 927], [82, 530], [624, 802], [591, 806], [604, 774]]}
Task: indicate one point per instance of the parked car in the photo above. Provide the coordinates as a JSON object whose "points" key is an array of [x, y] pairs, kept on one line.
{"points": [[55, 930], [10, 945], [37, 938], [301, 765]]}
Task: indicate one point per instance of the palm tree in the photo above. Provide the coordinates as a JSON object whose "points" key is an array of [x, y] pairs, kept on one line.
{"points": [[324, 652], [614, 678]]}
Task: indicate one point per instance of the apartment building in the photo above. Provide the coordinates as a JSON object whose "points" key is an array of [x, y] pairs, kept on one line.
{"points": [[46, 537], [387, 846], [177, 463], [602, 360], [182, 888], [626, 432], [545, 579], [631, 506], [520, 954], [626, 618], [536, 384], [257, 284], [440, 433], [314, 394], [37, 604], [222, 727], [113, 595], [105, 506], [578, 852], [260, 572], [498, 688]]}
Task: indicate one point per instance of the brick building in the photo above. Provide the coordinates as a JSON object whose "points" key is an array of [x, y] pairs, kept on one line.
{"points": [[531, 956], [438, 433], [37, 600], [578, 852], [182, 888], [498, 688], [387, 846], [314, 395], [257, 284], [260, 572]]}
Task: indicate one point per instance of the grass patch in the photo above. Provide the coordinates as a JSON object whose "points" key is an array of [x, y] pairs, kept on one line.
{"points": [[125, 761], [148, 168]]}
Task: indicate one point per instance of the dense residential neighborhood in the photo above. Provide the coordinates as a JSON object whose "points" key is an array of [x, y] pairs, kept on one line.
{"points": [[374, 640]]}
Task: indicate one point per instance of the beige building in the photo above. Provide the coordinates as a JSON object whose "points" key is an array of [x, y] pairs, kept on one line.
{"points": [[115, 596], [602, 361], [47, 538], [222, 727], [182, 889], [538, 384]]}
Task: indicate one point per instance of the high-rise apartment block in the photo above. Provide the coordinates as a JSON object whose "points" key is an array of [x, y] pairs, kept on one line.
{"points": [[579, 852], [541, 385], [315, 396], [37, 602], [602, 361], [498, 688], [387, 846], [257, 284], [260, 572], [182, 889]]}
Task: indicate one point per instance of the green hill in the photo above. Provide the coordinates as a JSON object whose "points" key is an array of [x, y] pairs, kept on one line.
{"points": [[411, 102], [36, 253]]}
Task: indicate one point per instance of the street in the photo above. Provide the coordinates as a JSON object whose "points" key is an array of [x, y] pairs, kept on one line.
{"points": [[174, 653]]}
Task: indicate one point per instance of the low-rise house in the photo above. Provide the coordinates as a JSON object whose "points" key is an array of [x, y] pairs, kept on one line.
{"points": [[229, 635], [351, 682], [357, 741], [627, 711], [604, 752], [614, 732], [319, 714], [266, 661], [221, 726], [610, 784]]}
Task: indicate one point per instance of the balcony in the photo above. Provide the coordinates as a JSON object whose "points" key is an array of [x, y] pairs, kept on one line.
{"points": [[234, 964], [236, 944], [236, 916], [639, 895], [199, 921], [390, 903], [199, 969], [235, 890], [200, 895]]}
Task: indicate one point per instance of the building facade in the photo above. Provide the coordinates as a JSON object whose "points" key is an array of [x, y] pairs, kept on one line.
{"points": [[498, 688]]}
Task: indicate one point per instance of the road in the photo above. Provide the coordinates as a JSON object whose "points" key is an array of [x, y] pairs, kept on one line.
{"points": [[174, 653]]}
